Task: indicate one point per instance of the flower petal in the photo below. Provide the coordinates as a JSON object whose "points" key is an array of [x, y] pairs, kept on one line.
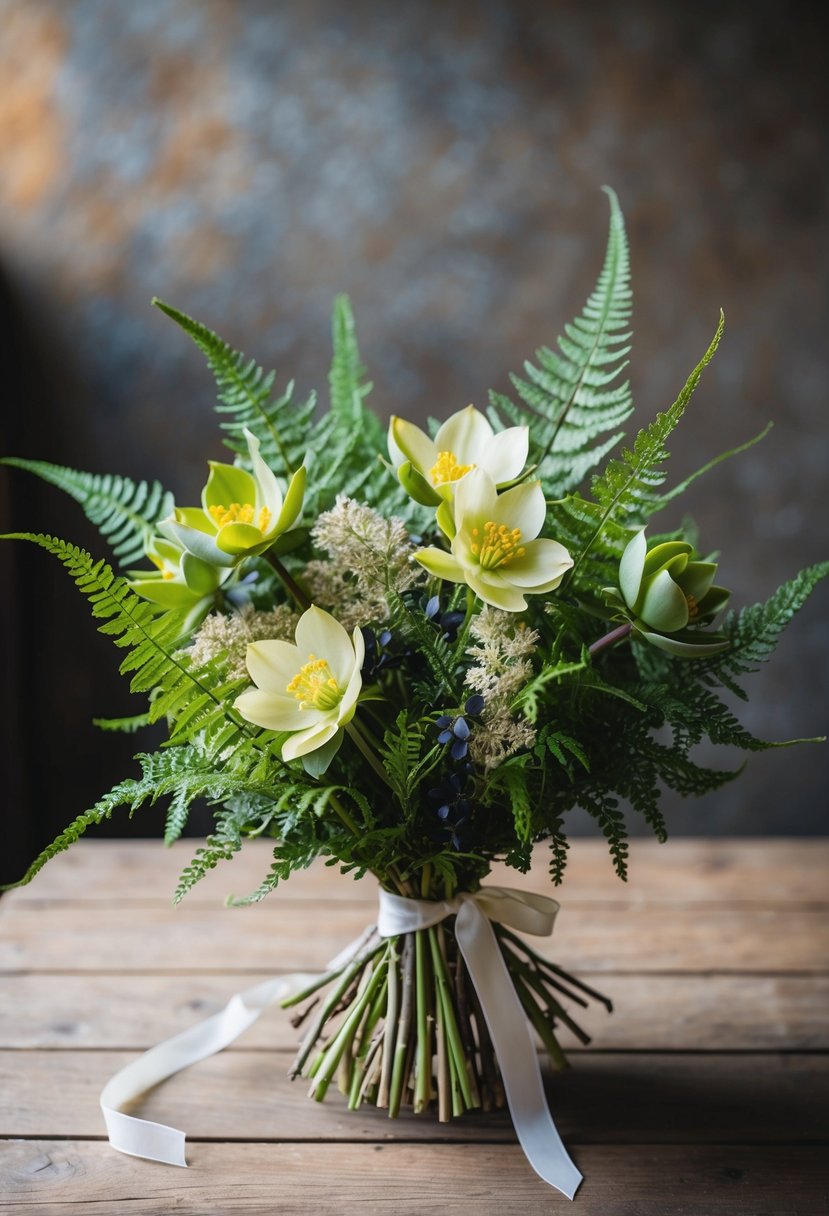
{"points": [[266, 491], [464, 434], [292, 506], [662, 605], [237, 539], [440, 563], [696, 579], [306, 741], [272, 664], [318, 633], [631, 567], [348, 704], [494, 590], [523, 507], [543, 566], [476, 498], [506, 453], [227, 484], [409, 442], [682, 650], [200, 544], [274, 712]]}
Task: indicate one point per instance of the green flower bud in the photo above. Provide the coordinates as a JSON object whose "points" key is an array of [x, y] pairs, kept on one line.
{"points": [[668, 595]]}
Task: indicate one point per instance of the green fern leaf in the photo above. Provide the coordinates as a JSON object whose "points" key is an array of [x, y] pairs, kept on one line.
{"points": [[124, 512], [571, 397], [754, 632], [126, 793], [281, 424], [626, 491]]}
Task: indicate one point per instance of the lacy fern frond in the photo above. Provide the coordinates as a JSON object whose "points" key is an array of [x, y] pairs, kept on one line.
{"points": [[754, 632], [626, 492], [124, 512], [281, 424], [123, 794], [194, 700], [572, 397], [127, 726], [345, 444]]}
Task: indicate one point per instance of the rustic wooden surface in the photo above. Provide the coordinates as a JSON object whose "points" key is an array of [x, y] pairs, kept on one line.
{"points": [[704, 1093]]}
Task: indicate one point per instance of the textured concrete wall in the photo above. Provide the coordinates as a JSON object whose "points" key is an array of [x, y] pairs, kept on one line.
{"points": [[442, 164]]}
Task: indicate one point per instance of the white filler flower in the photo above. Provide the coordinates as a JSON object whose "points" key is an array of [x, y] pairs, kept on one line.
{"points": [[494, 550], [310, 688]]}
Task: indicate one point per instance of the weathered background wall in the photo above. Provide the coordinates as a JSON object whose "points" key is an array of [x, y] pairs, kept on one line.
{"points": [[442, 163]]}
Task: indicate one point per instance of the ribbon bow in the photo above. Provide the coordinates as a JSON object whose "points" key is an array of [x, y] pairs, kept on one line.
{"points": [[508, 1028]]}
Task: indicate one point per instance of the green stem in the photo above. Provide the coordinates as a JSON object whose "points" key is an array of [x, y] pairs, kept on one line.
{"points": [[423, 1064], [290, 583], [401, 1047], [355, 733], [332, 1054], [457, 1055]]}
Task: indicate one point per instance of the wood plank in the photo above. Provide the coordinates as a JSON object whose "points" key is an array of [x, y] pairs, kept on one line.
{"points": [[785, 870], [652, 1012], [606, 1098], [281, 934], [65, 1177]]}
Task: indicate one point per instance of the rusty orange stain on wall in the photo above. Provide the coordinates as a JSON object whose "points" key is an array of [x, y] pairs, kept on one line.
{"points": [[31, 128]]}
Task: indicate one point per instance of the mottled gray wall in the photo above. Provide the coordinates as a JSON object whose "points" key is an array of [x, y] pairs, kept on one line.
{"points": [[442, 163]]}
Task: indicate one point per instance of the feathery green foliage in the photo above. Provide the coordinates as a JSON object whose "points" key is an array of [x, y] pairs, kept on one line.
{"points": [[246, 400], [572, 399], [123, 511]]}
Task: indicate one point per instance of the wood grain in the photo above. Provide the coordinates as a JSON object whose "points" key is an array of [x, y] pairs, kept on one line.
{"points": [[668, 1098], [786, 871], [656, 1012], [66, 1177], [287, 936]]}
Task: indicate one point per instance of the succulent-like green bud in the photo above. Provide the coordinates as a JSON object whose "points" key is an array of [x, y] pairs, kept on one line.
{"points": [[668, 594]]}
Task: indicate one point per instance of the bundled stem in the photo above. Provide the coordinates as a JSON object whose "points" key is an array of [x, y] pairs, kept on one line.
{"points": [[402, 1025]]}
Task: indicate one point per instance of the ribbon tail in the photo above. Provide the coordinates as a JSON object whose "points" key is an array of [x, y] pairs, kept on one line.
{"points": [[515, 1051], [157, 1141]]}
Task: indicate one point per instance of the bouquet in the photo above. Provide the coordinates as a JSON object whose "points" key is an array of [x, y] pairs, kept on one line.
{"points": [[412, 653]]}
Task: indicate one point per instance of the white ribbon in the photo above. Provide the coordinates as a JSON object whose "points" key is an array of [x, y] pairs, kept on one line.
{"points": [[508, 1028]]}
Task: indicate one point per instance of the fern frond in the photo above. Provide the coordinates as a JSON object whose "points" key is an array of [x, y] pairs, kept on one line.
{"points": [[281, 424], [754, 632], [572, 397], [626, 491], [194, 699], [124, 512], [123, 794], [127, 726]]}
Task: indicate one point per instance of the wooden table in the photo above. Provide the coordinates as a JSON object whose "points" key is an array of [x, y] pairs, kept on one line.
{"points": [[704, 1093]]}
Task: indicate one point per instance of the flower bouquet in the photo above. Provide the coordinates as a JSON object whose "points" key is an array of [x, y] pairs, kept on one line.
{"points": [[412, 654]]}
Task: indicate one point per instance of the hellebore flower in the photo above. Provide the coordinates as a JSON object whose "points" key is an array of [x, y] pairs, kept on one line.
{"points": [[242, 514], [310, 688], [668, 594], [179, 580], [430, 469], [494, 550]]}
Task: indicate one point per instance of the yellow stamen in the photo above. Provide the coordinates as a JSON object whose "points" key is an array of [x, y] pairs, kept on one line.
{"points": [[314, 685], [240, 513], [693, 606], [500, 546], [165, 573], [446, 468]]}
